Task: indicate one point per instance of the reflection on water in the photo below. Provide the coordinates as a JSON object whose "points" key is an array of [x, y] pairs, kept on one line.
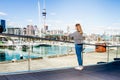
{"points": [[2, 56], [36, 52]]}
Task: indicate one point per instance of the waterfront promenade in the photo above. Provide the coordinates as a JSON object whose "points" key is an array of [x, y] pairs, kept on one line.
{"points": [[108, 71], [54, 62]]}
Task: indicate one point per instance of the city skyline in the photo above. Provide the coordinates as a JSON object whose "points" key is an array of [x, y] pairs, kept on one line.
{"points": [[95, 16]]}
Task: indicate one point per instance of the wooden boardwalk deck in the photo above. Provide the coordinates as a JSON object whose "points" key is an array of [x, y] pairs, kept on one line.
{"points": [[109, 71]]}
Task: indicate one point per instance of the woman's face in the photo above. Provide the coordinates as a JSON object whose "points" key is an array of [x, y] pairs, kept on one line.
{"points": [[77, 28]]}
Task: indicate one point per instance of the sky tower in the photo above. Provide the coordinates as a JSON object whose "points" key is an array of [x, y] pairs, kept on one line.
{"points": [[44, 16]]}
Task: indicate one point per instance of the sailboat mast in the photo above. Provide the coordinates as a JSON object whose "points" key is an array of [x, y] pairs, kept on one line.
{"points": [[39, 17]]}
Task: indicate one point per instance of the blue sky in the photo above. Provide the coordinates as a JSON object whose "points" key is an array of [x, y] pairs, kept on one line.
{"points": [[95, 16]]}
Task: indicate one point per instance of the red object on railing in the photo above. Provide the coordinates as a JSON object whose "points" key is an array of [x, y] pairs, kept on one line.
{"points": [[100, 47]]}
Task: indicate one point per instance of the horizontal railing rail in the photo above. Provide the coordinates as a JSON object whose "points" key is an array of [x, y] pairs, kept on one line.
{"points": [[107, 46], [49, 39]]}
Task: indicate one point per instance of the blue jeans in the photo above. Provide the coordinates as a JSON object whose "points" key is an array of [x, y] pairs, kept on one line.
{"points": [[78, 49]]}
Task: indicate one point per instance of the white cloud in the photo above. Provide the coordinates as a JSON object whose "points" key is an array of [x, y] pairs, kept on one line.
{"points": [[112, 29], [53, 13], [9, 23], [55, 21], [29, 20], [116, 24], [2, 14], [14, 17], [56, 24]]}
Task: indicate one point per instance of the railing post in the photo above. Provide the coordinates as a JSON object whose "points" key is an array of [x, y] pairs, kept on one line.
{"points": [[67, 49], [117, 52], [29, 60], [108, 54]]}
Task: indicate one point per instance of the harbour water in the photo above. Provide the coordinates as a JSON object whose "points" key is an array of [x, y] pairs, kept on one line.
{"points": [[36, 52]]}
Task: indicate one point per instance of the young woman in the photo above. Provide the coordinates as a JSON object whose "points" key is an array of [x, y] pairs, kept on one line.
{"points": [[78, 39]]}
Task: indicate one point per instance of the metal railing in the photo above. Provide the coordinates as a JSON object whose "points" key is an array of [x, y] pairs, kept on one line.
{"points": [[47, 63]]}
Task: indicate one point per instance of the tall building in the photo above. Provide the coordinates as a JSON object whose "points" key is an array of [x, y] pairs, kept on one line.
{"points": [[24, 31], [36, 30], [68, 29], [16, 31], [32, 30], [44, 14], [46, 27], [2, 26]]}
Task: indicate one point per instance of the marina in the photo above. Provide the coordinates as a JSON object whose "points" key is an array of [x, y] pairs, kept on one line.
{"points": [[59, 40], [47, 54], [62, 56], [36, 52]]}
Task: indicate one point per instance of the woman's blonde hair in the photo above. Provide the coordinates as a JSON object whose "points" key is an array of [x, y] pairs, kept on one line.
{"points": [[79, 29]]}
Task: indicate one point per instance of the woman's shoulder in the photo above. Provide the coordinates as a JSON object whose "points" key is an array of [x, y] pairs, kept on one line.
{"points": [[75, 32]]}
